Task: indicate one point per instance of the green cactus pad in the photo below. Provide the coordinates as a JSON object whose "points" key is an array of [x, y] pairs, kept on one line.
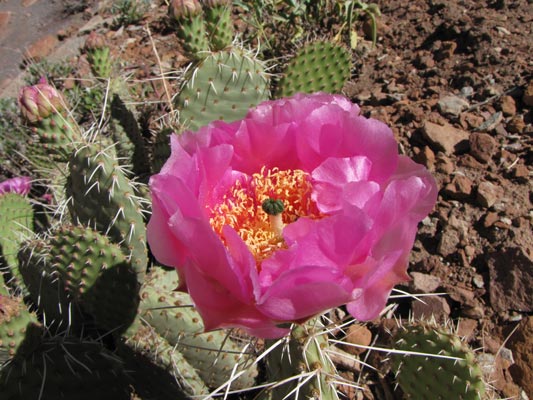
{"points": [[219, 24], [100, 61], [303, 352], [171, 314], [317, 67], [45, 290], [103, 197], [161, 149], [16, 224], [430, 376], [222, 87], [54, 138], [193, 36], [96, 275], [147, 344], [14, 321], [65, 369]]}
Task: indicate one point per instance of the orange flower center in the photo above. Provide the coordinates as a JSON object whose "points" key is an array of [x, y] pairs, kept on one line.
{"points": [[241, 208]]}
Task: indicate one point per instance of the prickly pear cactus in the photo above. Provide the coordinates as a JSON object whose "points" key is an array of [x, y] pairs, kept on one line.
{"points": [[102, 196], [218, 23], [95, 275], [14, 322], [98, 55], [317, 67], [431, 375], [213, 354], [161, 149], [65, 368], [222, 87], [191, 28], [16, 224], [302, 354]]}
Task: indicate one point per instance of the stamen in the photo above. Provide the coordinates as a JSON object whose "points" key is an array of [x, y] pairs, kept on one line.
{"points": [[260, 207]]}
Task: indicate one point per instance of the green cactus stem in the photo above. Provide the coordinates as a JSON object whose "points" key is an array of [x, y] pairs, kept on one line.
{"points": [[445, 369], [65, 368], [98, 55], [218, 23], [191, 28], [16, 224], [302, 362], [224, 86], [317, 67], [103, 197], [14, 321], [213, 354]]}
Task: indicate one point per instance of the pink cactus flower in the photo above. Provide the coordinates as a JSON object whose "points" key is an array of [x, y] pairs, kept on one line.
{"points": [[302, 206], [20, 185], [39, 101]]}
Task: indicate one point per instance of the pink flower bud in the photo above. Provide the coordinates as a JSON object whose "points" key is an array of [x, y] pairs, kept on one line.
{"points": [[39, 101], [180, 9]]}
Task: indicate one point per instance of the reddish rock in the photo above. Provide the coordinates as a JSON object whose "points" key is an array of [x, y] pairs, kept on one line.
{"points": [[490, 219], [448, 242], [41, 48], [488, 194], [460, 188], [466, 328], [482, 146], [521, 343], [445, 137], [430, 306], [5, 17], [521, 172], [516, 124], [508, 106], [444, 164], [511, 280], [527, 98], [425, 283], [357, 335]]}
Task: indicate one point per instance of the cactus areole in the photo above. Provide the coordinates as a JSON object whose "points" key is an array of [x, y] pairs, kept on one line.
{"points": [[349, 213]]}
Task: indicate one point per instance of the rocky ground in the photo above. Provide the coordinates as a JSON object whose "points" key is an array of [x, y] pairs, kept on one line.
{"points": [[453, 78]]}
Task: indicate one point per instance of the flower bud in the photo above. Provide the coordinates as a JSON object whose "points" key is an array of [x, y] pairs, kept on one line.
{"points": [[39, 101], [94, 41], [180, 9]]}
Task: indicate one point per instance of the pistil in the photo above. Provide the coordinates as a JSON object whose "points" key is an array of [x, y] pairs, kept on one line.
{"points": [[274, 208]]}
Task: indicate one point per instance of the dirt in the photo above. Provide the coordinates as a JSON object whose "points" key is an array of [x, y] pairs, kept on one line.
{"points": [[453, 78]]}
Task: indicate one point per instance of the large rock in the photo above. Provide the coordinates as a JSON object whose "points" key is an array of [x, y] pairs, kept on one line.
{"points": [[511, 280], [445, 137]]}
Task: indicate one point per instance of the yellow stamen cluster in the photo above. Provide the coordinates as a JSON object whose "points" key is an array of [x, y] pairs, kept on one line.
{"points": [[241, 209]]}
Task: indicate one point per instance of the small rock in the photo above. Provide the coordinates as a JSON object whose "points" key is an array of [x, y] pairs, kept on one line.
{"points": [[41, 48], [466, 328], [516, 124], [444, 164], [446, 50], [452, 105], [430, 306], [28, 3], [488, 194], [507, 106], [467, 91], [527, 98], [426, 157], [425, 283], [445, 137], [482, 146], [521, 173], [521, 345], [490, 123], [357, 335], [448, 242], [511, 280], [460, 188]]}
